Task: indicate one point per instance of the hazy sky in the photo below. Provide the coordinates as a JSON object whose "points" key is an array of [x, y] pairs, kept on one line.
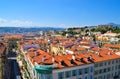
{"points": [[58, 13]]}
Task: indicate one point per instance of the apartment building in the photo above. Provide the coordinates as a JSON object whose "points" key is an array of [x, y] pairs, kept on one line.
{"points": [[97, 63], [109, 69], [109, 65], [75, 72], [59, 67]]}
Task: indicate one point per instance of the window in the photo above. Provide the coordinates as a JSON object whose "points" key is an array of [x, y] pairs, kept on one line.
{"points": [[113, 68], [104, 70], [105, 77], [91, 77], [86, 77], [108, 76], [79, 78], [96, 65], [91, 69], [74, 73], [100, 77], [109, 69], [105, 63], [100, 71], [61, 75], [67, 73], [119, 72], [108, 62], [112, 74], [34, 72], [49, 76], [112, 61], [42, 76], [86, 70], [96, 72], [118, 66], [83, 71], [117, 61], [80, 71], [95, 78], [101, 64]]}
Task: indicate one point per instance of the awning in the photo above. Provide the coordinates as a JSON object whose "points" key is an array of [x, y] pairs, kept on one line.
{"points": [[25, 75]]}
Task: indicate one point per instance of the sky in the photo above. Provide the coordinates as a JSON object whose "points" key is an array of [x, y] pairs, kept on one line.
{"points": [[58, 13]]}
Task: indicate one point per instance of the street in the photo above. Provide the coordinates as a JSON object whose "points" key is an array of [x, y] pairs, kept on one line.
{"points": [[12, 70]]}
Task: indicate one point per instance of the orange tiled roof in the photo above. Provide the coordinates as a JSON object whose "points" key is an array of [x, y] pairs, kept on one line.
{"points": [[13, 36], [108, 45], [2, 47], [66, 60], [116, 46], [95, 49]]}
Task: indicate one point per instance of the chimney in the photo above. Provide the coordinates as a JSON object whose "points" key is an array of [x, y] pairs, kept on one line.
{"points": [[48, 50], [81, 60], [43, 58], [53, 59], [98, 53], [59, 62], [36, 53], [89, 58], [73, 57], [36, 63], [109, 53]]}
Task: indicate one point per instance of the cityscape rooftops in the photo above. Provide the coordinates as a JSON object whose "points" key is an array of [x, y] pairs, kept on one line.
{"points": [[83, 52], [68, 60]]}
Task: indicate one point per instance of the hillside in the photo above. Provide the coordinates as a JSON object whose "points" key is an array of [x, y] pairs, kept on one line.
{"points": [[23, 30]]}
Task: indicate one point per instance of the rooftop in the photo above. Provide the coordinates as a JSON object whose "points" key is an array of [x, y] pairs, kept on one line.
{"points": [[81, 55], [68, 60]]}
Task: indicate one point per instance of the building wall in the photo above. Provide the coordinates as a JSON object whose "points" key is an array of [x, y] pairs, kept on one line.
{"points": [[30, 67], [107, 69], [101, 70], [57, 50], [74, 72]]}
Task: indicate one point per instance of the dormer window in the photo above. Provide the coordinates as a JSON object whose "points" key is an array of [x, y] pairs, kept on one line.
{"points": [[62, 63], [43, 58], [72, 61], [90, 59], [36, 53], [81, 60]]}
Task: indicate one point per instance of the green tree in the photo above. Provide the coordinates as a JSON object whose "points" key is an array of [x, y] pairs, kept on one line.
{"points": [[64, 33], [94, 38]]}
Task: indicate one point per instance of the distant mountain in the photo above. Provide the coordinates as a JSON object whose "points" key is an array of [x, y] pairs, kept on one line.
{"points": [[24, 30], [113, 24]]}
